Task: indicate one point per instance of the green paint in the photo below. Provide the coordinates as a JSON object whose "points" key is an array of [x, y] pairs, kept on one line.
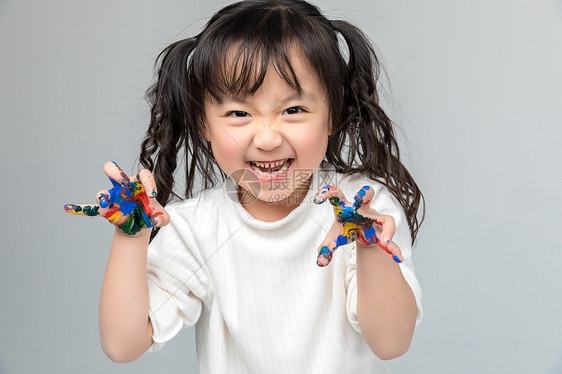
{"points": [[91, 210], [87, 210], [134, 222]]}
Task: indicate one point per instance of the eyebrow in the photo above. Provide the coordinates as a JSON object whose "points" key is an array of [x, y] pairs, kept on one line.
{"points": [[294, 96]]}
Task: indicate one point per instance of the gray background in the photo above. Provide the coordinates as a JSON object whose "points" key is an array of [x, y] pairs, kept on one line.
{"points": [[476, 87]]}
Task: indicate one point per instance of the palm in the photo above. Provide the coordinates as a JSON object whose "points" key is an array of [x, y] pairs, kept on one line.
{"points": [[355, 221], [127, 205]]}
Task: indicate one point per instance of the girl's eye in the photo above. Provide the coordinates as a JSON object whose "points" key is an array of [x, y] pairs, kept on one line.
{"points": [[293, 110], [238, 113]]}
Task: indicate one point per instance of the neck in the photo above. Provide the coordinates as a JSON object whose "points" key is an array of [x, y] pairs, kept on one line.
{"points": [[271, 212]]}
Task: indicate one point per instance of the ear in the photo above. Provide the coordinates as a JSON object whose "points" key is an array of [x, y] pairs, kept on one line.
{"points": [[205, 131], [331, 122]]}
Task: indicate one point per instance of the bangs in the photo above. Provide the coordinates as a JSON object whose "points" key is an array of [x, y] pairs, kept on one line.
{"points": [[239, 72], [235, 53], [246, 39]]}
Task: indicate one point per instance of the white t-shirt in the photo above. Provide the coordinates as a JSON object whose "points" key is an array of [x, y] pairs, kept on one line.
{"points": [[259, 302]]}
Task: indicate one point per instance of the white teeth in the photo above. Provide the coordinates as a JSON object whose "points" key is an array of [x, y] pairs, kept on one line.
{"points": [[269, 164], [285, 163]]}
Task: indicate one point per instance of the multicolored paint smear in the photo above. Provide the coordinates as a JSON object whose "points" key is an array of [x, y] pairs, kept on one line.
{"points": [[126, 206], [355, 225]]}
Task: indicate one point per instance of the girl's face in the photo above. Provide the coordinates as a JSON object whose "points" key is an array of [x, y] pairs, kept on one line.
{"points": [[270, 143]]}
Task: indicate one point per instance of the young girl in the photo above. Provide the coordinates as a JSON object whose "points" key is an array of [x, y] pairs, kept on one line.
{"points": [[265, 94]]}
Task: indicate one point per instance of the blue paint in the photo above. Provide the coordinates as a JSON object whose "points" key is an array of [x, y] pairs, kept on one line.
{"points": [[104, 200], [120, 195], [396, 259], [370, 235], [341, 240], [359, 197], [324, 252]]}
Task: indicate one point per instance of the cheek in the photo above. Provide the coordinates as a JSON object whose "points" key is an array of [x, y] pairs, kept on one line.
{"points": [[314, 139], [228, 152], [224, 151]]}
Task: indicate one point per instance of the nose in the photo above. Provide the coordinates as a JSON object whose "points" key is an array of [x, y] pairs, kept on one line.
{"points": [[268, 138]]}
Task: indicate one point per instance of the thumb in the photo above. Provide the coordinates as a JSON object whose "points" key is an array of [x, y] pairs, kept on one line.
{"points": [[329, 245]]}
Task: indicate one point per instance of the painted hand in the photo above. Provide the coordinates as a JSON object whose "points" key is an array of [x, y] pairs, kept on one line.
{"points": [[355, 221], [127, 205]]}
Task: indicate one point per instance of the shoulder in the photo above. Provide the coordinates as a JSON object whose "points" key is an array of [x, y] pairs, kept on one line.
{"points": [[191, 218], [190, 221], [195, 207]]}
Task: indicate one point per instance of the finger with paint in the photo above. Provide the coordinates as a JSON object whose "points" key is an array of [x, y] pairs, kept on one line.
{"points": [[355, 221], [332, 241], [127, 205]]}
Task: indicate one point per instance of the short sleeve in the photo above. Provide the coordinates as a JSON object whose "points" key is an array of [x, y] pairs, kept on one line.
{"points": [[385, 203], [177, 282]]}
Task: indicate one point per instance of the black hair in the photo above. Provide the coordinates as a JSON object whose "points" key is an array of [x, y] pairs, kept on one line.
{"points": [[232, 54]]}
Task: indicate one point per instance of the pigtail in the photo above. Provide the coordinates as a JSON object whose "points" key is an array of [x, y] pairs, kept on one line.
{"points": [[170, 119], [368, 132]]}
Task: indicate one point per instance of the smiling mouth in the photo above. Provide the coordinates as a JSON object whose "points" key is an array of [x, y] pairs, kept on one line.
{"points": [[270, 168]]}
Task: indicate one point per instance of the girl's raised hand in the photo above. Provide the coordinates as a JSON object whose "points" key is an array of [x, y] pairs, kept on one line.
{"points": [[355, 221], [130, 205]]}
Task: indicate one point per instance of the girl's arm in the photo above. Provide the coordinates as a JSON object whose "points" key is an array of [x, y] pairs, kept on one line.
{"points": [[131, 205], [386, 306], [125, 329]]}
